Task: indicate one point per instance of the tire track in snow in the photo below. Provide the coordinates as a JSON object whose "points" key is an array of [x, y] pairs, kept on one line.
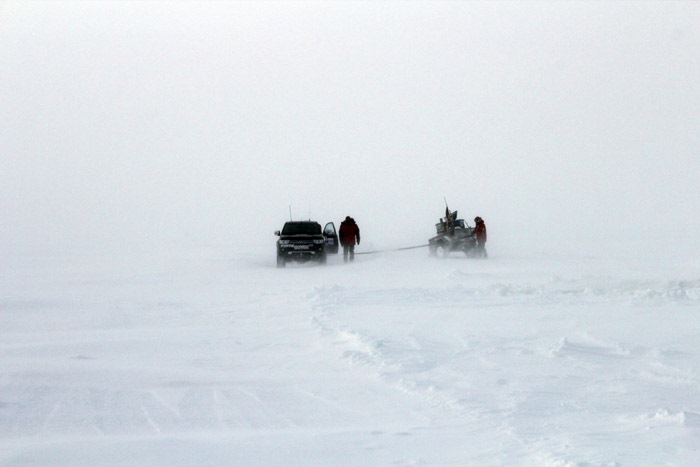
{"points": [[405, 364]]}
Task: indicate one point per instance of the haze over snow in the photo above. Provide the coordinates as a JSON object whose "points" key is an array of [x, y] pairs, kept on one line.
{"points": [[149, 150]]}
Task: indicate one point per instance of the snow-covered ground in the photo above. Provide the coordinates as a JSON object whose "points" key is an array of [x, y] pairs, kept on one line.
{"points": [[216, 357], [148, 151]]}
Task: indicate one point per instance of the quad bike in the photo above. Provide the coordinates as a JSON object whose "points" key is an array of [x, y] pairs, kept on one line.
{"points": [[452, 235]]}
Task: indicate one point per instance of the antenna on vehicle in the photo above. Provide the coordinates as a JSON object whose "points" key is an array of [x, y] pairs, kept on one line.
{"points": [[449, 222], [290, 212]]}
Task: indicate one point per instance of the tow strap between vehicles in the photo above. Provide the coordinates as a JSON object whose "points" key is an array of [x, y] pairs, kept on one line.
{"points": [[394, 249]]}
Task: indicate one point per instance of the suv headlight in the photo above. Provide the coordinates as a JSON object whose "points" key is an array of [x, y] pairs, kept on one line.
{"points": [[284, 242], [319, 241]]}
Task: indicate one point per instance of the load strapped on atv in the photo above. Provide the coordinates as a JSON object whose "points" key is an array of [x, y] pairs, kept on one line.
{"points": [[452, 235]]}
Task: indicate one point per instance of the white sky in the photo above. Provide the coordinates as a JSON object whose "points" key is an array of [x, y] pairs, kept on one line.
{"points": [[205, 121]]}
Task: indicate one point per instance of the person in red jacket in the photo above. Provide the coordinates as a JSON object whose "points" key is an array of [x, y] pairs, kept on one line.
{"points": [[349, 233], [480, 233]]}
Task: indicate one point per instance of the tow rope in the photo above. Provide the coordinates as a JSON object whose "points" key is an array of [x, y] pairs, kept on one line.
{"points": [[394, 249]]}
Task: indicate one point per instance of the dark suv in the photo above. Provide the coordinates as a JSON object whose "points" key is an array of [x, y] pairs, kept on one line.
{"points": [[305, 241]]}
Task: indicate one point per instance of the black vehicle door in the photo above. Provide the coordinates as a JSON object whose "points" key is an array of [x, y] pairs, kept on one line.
{"points": [[331, 236]]}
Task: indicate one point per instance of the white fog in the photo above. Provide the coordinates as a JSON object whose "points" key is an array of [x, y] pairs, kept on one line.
{"points": [[149, 150]]}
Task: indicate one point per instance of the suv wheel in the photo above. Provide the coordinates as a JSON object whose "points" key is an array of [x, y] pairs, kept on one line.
{"points": [[281, 262]]}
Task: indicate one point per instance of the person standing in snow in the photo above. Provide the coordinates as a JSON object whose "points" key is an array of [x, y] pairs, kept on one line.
{"points": [[349, 234], [480, 234]]}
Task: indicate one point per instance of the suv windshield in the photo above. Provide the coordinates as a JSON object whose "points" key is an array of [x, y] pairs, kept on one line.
{"points": [[301, 228]]}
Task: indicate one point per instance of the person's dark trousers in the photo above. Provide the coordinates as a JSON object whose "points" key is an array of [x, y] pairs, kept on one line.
{"points": [[481, 250], [348, 250]]}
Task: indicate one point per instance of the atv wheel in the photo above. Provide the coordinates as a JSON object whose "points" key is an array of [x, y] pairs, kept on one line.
{"points": [[441, 250]]}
